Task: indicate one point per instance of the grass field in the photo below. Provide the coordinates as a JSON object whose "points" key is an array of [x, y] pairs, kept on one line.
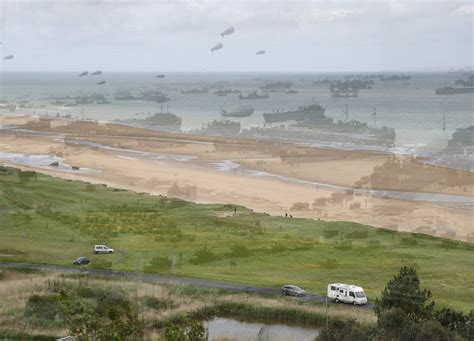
{"points": [[156, 304], [48, 220]]}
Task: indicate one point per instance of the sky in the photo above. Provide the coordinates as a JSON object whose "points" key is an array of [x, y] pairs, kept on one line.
{"points": [[298, 36]]}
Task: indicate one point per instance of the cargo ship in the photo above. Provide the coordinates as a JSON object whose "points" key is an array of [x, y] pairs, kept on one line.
{"points": [[448, 90], [309, 113]]}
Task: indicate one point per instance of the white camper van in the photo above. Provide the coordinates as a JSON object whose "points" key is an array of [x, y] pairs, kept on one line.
{"points": [[347, 293]]}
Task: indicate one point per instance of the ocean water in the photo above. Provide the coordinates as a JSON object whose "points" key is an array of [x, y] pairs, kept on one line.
{"points": [[414, 111]]}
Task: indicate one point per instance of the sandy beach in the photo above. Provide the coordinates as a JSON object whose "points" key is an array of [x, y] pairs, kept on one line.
{"points": [[275, 178]]}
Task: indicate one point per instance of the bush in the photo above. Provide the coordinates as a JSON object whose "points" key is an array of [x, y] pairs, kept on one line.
{"points": [[345, 331], [157, 304], [42, 307], [408, 241], [203, 256], [237, 251], [158, 264], [186, 331], [330, 233]]}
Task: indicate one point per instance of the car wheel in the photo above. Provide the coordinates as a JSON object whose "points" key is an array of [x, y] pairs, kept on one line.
{"points": [[354, 303], [336, 300]]}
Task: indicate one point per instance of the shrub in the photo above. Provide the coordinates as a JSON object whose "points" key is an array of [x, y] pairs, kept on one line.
{"points": [[155, 303], [203, 256], [237, 251], [187, 330], [330, 233], [159, 264], [345, 331], [42, 307], [408, 241]]}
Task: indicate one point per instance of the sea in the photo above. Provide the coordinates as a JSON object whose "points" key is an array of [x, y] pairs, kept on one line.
{"points": [[423, 121]]}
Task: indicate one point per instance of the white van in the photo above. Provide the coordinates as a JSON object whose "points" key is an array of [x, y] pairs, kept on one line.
{"points": [[347, 293], [102, 249]]}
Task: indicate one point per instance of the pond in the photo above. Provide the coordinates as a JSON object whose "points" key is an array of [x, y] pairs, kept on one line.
{"points": [[221, 329]]}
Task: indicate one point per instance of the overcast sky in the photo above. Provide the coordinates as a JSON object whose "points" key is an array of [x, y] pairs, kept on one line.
{"points": [[166, 36]]}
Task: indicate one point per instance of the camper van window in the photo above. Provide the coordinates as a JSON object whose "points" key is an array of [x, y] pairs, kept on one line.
{"points": [[333, 288], [341, 291], [351, 294], [360, 294]]}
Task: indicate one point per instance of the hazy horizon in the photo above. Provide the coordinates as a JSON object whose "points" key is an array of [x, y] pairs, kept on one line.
{"points": [[299, 36]]}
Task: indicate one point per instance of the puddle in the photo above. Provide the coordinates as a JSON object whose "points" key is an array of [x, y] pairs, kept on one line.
{"points": [[41, 161], [221, 329]]}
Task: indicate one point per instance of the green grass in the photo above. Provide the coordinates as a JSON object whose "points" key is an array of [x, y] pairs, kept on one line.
{"points": [[48, 220]]}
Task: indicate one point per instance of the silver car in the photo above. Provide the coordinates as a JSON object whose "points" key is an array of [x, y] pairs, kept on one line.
{"points": [[292, 290]]}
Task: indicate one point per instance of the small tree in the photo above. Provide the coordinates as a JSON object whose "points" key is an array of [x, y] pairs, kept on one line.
{"points": [[111, 318], [187, 330], [403, 292]]}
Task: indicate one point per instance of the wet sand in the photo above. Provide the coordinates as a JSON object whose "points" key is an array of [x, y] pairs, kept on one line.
{"points": [[155, 168]]}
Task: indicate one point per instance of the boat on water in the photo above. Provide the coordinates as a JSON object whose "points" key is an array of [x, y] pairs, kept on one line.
{"points": [[254, 95], [394, 78], [225, 92], [309, 124], [462, 141], [220, 128], [290, 92], [238, 111], [344, 94], [448, 90], [195, 91], [279, 85], [308, 113]]}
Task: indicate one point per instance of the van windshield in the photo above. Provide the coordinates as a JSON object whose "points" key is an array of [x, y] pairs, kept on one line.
{"points": [[360, 294]]}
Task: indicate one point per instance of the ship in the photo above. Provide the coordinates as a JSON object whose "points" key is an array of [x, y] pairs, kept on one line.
{"points": [[311, 125], [394, 78], [96, 73], [350, 85], [225, 92], [144, 95], [220, 128], [238, 111], [195, 91], [161, 75], [159, 121], [344, 94], [290, 92], [469, 82], [254, 95], [309, 113], [462, 141], [448, 90], [279, 85]]}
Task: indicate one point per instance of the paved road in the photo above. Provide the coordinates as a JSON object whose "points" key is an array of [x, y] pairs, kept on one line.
{"points": [[204, 283]]}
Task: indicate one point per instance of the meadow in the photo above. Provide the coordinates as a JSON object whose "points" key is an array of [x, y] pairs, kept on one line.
{"points": [[53, 221]]}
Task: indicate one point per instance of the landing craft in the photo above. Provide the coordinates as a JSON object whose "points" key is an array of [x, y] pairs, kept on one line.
{"points": [[261, 52], [10, 56], [160, 76], [85, 73], [228, 31], [218, 46], [101, 82], [98, 72]]}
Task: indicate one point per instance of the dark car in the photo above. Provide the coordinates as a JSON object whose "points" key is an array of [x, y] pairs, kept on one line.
{"points": [[81, 261], [292, 290]]}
